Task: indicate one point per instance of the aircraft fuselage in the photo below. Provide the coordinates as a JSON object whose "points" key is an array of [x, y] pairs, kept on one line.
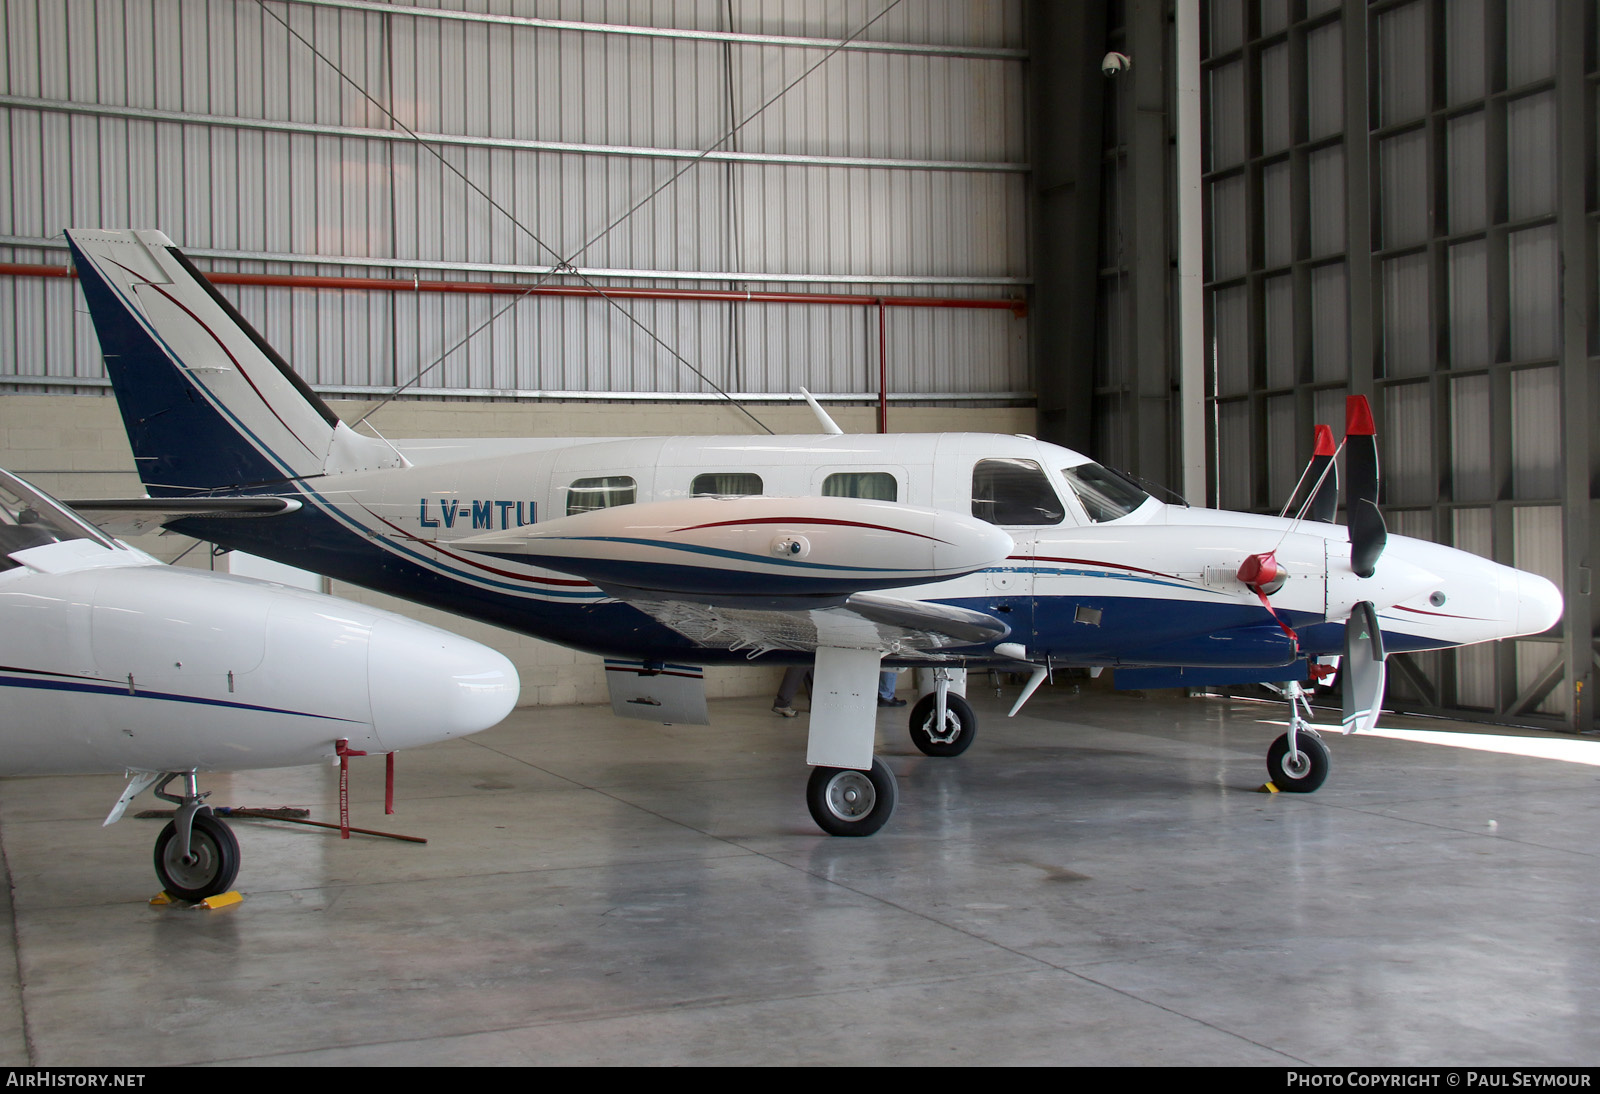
{"points": [[1156, 585]]}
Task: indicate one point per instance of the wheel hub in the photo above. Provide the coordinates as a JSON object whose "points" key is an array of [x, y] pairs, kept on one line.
{"points": [[1296, 765], [198, 867], [851, 795], [952, 729]]}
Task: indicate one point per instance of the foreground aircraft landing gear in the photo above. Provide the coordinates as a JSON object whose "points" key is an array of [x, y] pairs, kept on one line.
{"points": [[196, 854], [955, 737], [847, 802], [210, 866]]}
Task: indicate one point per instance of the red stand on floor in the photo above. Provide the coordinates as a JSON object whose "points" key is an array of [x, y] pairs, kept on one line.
{"points": [[344, 751]]}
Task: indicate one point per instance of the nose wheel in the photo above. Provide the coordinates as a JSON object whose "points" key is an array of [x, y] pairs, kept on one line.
{"points": [[196, 855], [1301, 768], [955, 737], [209, 867], [1297, 762]]}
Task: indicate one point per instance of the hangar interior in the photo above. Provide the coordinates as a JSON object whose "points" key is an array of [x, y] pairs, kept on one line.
{"points": [[936, 216]]}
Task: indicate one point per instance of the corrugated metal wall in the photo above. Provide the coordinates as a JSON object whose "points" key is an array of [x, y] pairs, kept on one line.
{"points": [[1402, 197], [212, 121]]}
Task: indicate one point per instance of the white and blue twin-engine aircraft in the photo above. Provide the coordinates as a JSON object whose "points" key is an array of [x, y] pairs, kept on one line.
{"points": [[944, 551]]}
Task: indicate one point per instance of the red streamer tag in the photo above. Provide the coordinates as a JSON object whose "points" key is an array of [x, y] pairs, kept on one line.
{"points": [[1258, 573]]}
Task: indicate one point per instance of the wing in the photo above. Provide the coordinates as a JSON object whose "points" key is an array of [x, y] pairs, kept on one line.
{"points": [[894, 626], [761, 574]]}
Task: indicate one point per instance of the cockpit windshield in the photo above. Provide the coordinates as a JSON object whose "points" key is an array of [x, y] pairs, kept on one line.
{"points": [[1105, 494], [32, 518]]}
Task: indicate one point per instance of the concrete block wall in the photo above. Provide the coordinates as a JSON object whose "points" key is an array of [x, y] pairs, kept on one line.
{"points": [[74, 446]]}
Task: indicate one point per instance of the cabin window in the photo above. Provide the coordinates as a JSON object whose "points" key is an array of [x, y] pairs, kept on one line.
{"points": [[1013, 492], [872, 485], [1105, 494], [726, 484], [604, 492]]}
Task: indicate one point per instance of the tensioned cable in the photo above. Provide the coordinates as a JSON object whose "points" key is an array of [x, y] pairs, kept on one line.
{"points": [[676, 175], [558, 267], [1311, 496], [564, 266]]}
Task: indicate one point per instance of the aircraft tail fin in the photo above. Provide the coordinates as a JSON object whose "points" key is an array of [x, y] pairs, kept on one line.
{"points": [[207, 403]]}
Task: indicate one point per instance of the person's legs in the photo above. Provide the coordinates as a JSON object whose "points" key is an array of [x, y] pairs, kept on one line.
{"points": [[886, 698], [783, 702]]}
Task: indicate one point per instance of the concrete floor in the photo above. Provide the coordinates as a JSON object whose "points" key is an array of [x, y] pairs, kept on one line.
{"points": [[1096, 882]]}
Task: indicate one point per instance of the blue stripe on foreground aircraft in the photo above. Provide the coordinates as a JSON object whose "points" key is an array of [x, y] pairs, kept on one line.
{"points": [[944, 551], [111, 662]]}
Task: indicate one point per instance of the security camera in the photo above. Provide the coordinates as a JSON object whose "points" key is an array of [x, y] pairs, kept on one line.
{"points": [[1114, 62]]}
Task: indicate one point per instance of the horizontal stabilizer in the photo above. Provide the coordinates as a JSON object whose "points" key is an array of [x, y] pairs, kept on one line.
{"points": [[135, 516]]}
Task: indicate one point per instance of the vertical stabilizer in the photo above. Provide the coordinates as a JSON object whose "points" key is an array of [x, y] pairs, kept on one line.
{"points": [[206, 402]]}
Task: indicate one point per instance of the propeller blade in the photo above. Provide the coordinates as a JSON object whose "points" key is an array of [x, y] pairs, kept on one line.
{"points": [[1363, 670], [1325, 502], [1367, 531]]}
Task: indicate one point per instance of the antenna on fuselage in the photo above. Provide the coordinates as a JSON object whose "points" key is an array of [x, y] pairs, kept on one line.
{"points": [[823, 418]]}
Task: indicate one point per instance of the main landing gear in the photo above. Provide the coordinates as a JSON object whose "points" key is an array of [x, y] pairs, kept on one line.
{"points": [[1297, 762], [847, 802], [196, 854]]}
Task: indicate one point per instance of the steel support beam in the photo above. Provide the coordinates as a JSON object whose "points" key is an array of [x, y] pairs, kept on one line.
{"points": [[1066, 95], [1154, 423], [1575, 152], [860, 45], [510, 144]]}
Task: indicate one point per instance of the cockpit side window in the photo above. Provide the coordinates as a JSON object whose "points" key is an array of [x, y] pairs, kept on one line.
{"points": [[1013, 492], [603, 492], [1105, 494], [726, 484]]}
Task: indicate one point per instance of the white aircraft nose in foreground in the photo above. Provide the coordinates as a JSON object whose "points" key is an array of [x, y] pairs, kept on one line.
{"points": [[668, 553], [112, 662]]}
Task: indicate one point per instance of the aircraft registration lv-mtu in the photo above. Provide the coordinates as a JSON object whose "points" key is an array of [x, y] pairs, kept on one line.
{"points": [[945, 551]]}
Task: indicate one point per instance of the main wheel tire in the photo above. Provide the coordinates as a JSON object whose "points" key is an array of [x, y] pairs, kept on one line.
{"points": [[960, 726], [213, 860], [847, 802], [1298, 774]]}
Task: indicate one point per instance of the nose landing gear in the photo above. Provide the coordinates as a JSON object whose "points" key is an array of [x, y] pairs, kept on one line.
{"points": [[1297, 762], [196, 855]]}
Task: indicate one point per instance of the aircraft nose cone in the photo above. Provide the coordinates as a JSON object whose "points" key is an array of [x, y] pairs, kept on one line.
{"points": [[429, 685], [1539, 604]]}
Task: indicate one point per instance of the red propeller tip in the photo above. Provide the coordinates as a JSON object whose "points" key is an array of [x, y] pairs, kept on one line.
{"points": [[1358, 417], [1325, 445]]}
